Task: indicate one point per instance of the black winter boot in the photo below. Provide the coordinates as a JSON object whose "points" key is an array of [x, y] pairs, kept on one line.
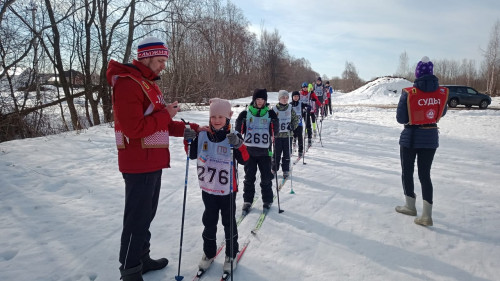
{"points": [[149, 264], [131, 274]]}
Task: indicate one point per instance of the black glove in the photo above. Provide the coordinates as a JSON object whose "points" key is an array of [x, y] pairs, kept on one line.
{"points": [[234, 140], [289, 127], [189, 134]]}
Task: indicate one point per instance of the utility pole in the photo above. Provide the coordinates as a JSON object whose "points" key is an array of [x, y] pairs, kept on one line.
{"points": [[33, 7]]}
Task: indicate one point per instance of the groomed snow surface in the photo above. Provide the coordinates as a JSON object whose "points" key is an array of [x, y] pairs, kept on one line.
{"points": [[61, 204]]}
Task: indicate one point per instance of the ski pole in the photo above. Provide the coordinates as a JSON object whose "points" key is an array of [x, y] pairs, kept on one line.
{"points": [[277, 190], [231, 206], [179, 277], [308, 120], [320, 129], [276, 174], [290, 163]]}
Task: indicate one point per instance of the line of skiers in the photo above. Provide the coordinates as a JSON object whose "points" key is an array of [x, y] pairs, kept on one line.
{"points": [[262, 140]]}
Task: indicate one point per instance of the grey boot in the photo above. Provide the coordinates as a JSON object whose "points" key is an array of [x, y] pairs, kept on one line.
{"points": [[132, 274], [426, 218], [409, 208]]}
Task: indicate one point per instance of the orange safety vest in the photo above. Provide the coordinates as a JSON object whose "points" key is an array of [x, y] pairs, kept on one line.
{"points": [[159, 139], [426, 107]]}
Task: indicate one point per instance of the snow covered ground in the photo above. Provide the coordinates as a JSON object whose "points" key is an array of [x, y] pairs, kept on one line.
{"points": [[61, 201]]}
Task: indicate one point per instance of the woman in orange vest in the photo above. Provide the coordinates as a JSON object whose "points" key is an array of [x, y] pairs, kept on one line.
{"points": [[420, 108]]}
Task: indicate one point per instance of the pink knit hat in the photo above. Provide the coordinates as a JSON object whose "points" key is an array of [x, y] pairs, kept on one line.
{"points": [[151, 47], [220, 107]]}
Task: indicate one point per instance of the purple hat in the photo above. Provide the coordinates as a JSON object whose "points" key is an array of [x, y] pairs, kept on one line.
{"points": [[424, 67]]}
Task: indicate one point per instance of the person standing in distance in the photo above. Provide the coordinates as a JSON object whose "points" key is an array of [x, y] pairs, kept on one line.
{"points": [[143, 125], [420, 108]]}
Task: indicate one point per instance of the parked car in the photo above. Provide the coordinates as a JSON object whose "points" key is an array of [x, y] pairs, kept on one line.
{"points": [[466, 96]]}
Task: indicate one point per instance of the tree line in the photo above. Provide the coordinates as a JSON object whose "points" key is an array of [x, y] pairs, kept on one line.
{"points": [[54, 56], [212, 54]]}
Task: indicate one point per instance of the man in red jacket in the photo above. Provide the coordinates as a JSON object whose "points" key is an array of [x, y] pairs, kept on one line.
{"points": [[143, 125]]}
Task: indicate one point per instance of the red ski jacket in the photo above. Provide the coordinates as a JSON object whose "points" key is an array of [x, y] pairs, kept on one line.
{"points": [[130, 106]]}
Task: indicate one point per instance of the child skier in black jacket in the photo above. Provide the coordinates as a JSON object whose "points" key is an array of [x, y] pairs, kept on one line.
{"points": [[259, 124]]}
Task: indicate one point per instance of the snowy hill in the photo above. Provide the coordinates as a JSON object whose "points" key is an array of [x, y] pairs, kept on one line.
{"points": [[385, 90], [61, 202]]}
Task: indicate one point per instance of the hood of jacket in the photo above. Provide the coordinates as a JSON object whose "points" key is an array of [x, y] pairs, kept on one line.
{"points": [[427, 83]]}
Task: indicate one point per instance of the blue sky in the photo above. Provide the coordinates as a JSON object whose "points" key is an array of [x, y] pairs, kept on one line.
{"points": [[373, 34]]}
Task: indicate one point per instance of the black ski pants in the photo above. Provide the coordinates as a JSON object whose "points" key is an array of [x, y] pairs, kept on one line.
{"points": [[282, 147], [424, 156], [306, 116], [313, 118], [141, 201], [213, 205], [297, 135], [263, 163]]}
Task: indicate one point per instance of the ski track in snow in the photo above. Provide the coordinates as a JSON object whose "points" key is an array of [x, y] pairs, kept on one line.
{"points": [[61, 202]]}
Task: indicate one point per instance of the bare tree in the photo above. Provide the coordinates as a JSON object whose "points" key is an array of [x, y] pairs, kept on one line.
{"points": [[351, 77], [272, 53], [86, 61], [468, 74], [55, 41], [109, 19], [13, 48], [492, 60], [404, 68], [17, 40], [5, 6]]}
